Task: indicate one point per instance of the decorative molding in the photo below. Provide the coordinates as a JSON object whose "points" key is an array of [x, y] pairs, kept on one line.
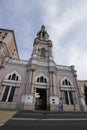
{"points": [[13, 72], [60, 67], [42, 75], [65, 77]]}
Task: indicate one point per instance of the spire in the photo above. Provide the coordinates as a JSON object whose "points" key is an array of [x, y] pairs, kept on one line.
{"points": [[42, 34]]}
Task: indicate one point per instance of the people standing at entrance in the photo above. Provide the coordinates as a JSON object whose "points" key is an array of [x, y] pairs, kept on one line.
{"points": [[60, 106]]}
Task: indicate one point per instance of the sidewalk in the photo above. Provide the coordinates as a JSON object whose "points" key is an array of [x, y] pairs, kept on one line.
{"points": [[5, 115], [35, 115]]}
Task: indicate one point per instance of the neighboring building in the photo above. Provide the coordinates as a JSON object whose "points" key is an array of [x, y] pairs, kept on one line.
{"points": [[39, 83], [8, 44], [83, 91]]}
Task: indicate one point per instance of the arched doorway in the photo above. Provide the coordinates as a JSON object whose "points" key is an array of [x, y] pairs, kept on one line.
{"points": [[41, 99]]}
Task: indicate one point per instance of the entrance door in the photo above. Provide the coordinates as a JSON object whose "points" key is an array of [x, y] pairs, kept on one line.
{"points": [[40, 99]]}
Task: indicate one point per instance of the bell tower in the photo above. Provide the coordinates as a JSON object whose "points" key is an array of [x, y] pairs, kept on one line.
{"points": [[42, 49]]}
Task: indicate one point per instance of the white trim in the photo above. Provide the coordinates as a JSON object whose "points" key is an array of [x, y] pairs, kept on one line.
{"points": [[11, 82], [41, 84], [67, 88], [42, 87]]}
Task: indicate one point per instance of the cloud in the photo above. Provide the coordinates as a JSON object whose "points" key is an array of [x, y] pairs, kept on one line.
{"points": [[66, 23], [22, 17]]}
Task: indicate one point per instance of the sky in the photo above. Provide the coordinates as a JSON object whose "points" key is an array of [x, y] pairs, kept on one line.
{"points": [[65, 22]]}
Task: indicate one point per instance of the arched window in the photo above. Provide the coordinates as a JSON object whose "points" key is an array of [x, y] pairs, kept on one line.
{"points": [[63, 83], [9, 77], [42, 80], [69, 84], [17, 78], [9, 91], [67, 94], [45, 80], [13, 76], [43, 51], [8, 94], [66, 82], [37, 79], [43, 34]]}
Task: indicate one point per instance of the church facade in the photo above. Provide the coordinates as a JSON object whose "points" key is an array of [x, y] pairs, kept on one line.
{"points": [[39, 83]]}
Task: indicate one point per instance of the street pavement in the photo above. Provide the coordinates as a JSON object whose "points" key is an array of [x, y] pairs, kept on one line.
{"points": [[5, 115], [43, 120]]}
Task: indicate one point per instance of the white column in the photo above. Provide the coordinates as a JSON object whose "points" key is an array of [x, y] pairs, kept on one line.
{"points": [[68, 97], [30, 78], [9, 93], [51, 90]]}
